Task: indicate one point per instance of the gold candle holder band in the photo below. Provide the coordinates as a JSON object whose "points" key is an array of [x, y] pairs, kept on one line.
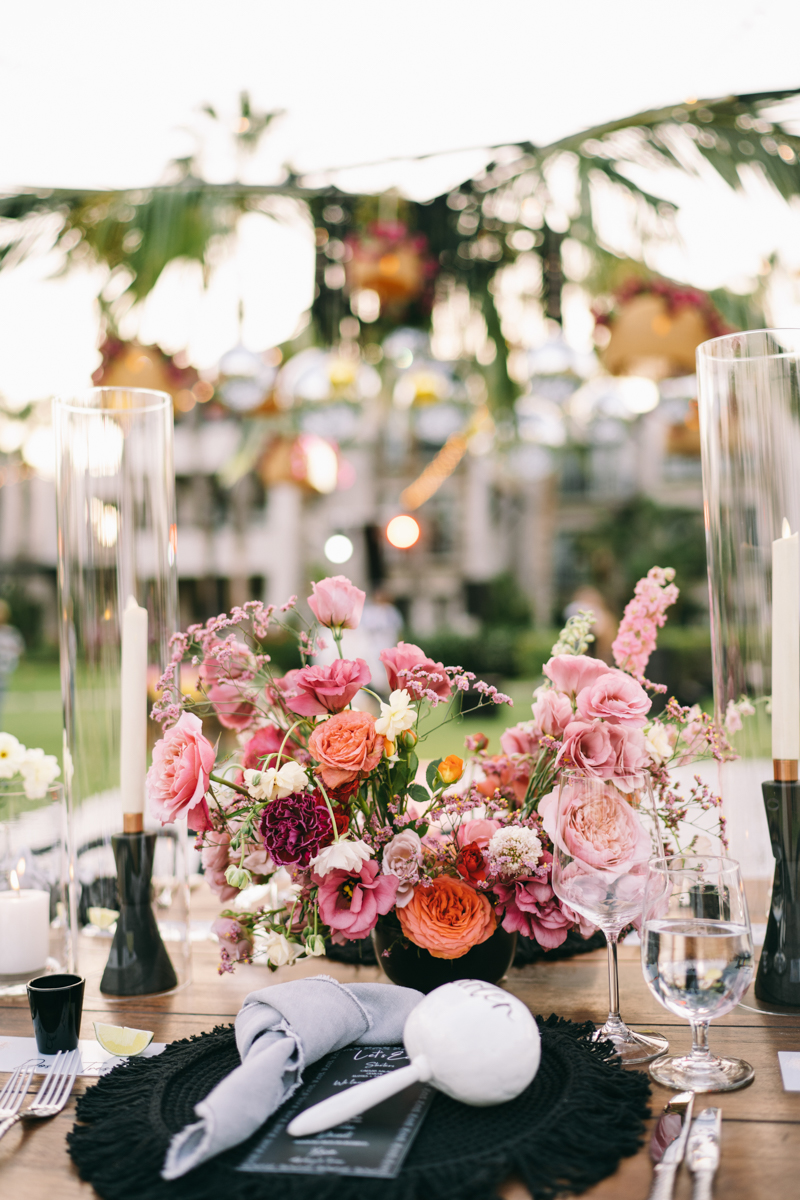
{"points": [[134, 822], [784, 770]]}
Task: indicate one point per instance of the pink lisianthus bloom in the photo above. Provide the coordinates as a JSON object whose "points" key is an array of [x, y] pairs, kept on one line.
{"points": [[336, 602], [603, 834], [282, 687], [552, 711], [531, 908], [322, 690], [404, 657], [571, 673], [629, 747], [226, 672], [351, 904], [585, 926], [177, 781], [479, 831], [232, 938], [587, 746], [215, 859], [615, 697], [524, 737]]}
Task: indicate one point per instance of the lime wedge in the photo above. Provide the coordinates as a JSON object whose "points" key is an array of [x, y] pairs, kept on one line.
{"points": [[102, 918], [119, 1040]]}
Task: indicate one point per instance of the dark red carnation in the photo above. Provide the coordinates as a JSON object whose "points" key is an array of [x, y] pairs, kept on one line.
{"points": [[294, 829]]}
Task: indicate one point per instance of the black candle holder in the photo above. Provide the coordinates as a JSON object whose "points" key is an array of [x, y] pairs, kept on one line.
{"points": [[138, 964], [778, 975]]}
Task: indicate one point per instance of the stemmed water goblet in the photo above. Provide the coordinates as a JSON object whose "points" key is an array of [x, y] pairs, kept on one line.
{"points": [[697, 959], [605, 832]]}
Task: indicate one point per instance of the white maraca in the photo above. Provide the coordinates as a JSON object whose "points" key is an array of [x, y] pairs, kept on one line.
{"points": [[470, 1039]]}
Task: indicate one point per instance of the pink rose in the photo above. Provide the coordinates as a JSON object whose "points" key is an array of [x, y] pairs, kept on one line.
{"points": [[225, 673], [177, 781], [405, 657], [215, 859], [522, 738], [336, 602], [628, 746], [572, 672], [328, 689], [264, 746], [351, 904], [346, 746], [601, 832], [587, 746], [552, 711], [532, 909], [615, 697], [479, 831]]}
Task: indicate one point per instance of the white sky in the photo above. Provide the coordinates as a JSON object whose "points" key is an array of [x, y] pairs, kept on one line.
{"points": [[100, 93]]}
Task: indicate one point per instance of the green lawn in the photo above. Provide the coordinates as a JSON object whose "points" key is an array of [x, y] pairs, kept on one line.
{"points": [[449, 738], [32, 709]]}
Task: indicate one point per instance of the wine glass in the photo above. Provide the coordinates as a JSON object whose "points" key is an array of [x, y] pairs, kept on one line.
{"points": [[697, 959], [605, 833]]}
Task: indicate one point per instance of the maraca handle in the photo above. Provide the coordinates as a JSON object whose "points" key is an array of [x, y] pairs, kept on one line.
{"points": [[356, 1100]]}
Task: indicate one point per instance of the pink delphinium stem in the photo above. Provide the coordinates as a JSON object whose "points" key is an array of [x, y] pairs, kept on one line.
{"points": [[644, 615]]}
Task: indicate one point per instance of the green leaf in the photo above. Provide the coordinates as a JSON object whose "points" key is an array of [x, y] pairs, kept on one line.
{"points": [[432, 772], [417, 792]]}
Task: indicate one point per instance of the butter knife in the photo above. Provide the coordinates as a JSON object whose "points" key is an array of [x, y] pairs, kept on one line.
{"points": [[668, 1144], [702, 1151]]}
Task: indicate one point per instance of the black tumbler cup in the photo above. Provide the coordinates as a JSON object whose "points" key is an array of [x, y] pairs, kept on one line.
{"points": [[56, 1006]]}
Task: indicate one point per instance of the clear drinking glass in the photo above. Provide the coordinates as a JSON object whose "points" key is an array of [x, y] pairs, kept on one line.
{"points": [[697, 959], [606, 832]]}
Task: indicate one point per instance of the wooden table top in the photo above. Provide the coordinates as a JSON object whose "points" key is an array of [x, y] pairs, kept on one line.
{"points": [[761, 1123]]}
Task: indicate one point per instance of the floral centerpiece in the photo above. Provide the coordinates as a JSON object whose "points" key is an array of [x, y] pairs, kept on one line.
{"points": [[324, 823]]}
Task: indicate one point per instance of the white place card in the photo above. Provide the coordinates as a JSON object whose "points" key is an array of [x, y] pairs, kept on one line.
{"points": [[94, 1059], [790, 1069]]}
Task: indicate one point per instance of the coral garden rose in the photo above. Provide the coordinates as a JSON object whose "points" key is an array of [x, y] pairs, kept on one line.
{"points": [[345, 746], [571, 673], [509, 774], [264, 746], [177, 781], [405, 656], [470, 863], [402, 856], [295, 827], [587, 746], [614, 697], [328, 689], [552, 712], [351, 903], [447, 917], [602, 832], [336, 602]]}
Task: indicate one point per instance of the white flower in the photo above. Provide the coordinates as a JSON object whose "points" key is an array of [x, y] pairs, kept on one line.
{"points": [[514, 852], [657, 743], [396, 716], [315, 945], [12, 755], [279, 892], [343, 855], [277, 949], [272, 784], [38, 770]]}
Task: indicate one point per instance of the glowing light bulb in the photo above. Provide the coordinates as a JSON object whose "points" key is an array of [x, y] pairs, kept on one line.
{"points": [[402, 532]]}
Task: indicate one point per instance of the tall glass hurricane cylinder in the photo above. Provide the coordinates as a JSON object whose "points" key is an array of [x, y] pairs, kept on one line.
{"points": [[117, 550]]}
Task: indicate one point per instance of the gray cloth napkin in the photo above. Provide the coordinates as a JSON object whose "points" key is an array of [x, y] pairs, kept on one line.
{"points": [[279, 1030]]}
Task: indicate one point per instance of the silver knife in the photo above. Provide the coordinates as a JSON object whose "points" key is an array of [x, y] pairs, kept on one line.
{"points": [[702, 1151], [668, 1143]]}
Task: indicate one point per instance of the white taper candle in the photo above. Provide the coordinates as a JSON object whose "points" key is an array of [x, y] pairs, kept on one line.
{"points": [[786, 645], [133, 707]]}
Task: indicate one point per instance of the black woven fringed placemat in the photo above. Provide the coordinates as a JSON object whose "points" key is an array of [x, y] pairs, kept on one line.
{"points": [[567, 1131]]}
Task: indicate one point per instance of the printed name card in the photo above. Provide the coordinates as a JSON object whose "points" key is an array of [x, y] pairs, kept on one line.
{"points": [[790, 1069], [373, 1144]]}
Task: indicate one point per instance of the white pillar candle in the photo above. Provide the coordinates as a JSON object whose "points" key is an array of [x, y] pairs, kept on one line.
{"points": [[133, 707], [24, 929], [786, 646]]}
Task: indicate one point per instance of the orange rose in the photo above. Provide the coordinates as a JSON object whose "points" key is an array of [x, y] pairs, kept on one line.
{"points": [[451, 768], [447, 919], [345, 746]]}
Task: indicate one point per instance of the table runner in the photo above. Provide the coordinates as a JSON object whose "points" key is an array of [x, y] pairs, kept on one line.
{"points": [[567, 1131]]}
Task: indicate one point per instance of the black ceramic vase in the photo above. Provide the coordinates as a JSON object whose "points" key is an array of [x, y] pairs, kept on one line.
{"points": [[411, 966], [138, 964], [778, 976]]}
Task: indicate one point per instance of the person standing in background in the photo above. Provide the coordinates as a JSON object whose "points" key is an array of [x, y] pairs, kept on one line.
{"points": [[11, 647]]}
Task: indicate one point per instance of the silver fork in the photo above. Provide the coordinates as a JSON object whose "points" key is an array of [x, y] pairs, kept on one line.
{"points": [[13, 1094], [53, 1093]]}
